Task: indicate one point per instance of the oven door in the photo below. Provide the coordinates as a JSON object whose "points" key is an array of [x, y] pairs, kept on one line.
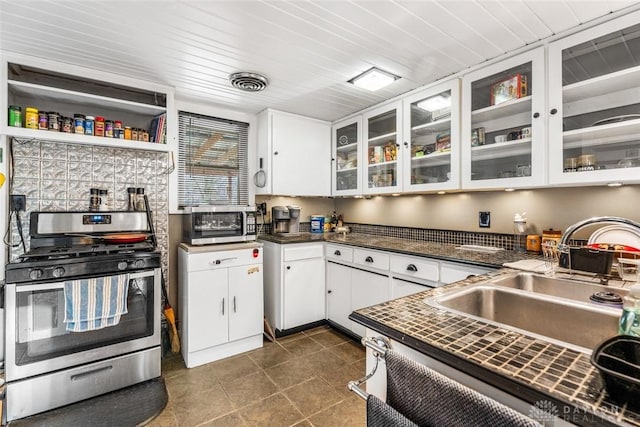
{"points": [[37, 340]]}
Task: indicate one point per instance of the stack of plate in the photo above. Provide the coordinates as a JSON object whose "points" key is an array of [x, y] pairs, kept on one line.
{"points": [[618, 234]]}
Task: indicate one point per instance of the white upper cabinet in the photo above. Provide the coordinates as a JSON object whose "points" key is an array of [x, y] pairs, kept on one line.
{"points": [[431, 153], [594, 90], [381, 158], [295, 153], [68, 90], [503, 124], [345, 165]]}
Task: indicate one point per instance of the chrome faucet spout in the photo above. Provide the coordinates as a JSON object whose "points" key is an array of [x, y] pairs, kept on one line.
{"points": [[564, 240]]}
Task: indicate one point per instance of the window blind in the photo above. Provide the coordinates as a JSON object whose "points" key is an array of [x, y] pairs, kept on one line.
{"points": [[212, 161]]}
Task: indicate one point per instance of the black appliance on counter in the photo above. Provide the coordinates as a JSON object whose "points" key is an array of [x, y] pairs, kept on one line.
{"points": [[46, 364]]}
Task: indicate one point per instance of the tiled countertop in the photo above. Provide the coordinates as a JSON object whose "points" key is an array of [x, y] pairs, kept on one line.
{"points": [[443, 251], [530, 368]]}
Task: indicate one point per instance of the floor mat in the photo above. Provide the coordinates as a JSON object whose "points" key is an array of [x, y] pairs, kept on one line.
{"points": [[130, 406]]}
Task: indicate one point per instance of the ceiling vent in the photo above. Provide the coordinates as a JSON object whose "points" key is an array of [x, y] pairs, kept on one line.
{"points": [[249, 82]]}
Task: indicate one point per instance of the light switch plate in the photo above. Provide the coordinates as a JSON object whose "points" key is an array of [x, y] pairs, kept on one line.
{"points": [[484, 219]]}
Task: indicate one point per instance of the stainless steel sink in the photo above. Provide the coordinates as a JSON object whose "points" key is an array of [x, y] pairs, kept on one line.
{"points": [[563, 288], [539, 306]]}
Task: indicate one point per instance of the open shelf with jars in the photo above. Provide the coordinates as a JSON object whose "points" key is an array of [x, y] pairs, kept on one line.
{"points": [[59, 99], [594, 85]]}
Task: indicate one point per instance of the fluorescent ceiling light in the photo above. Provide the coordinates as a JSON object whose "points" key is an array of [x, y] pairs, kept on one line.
{"points": [[435, 103], [373, 79]]}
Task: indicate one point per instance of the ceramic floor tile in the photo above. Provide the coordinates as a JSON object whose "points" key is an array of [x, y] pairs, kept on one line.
{"points": [[233, 368], [230, 420], [350, 412], [167, 418], [304, 423], [329, 338], [290, 373], [249, 389], [190, 381], [317, 330], [198, 407], [270, 355], [323, 361], [339, 378], [274, 411], [349, 351], [302, 346], [312, 396]]}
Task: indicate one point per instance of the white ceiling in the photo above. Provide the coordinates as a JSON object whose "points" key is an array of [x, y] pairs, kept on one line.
{"points": [[307, 49]]}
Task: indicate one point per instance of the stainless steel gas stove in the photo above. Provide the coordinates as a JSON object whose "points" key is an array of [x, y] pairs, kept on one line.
{"points": [[82, 310]]}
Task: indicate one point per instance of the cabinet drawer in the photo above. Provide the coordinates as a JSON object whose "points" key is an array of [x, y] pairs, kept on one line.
{"points": [[416, 268], [371, 259], [222, 259], [339, 253], [293, 253]]}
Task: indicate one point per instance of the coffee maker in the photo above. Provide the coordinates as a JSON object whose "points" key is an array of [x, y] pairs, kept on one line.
{"points": [[285, 220]]}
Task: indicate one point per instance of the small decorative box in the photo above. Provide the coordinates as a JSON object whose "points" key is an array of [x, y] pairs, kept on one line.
{"points": [[512, 88]]}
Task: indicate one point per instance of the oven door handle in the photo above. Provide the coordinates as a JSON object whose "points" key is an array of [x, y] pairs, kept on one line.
{"points": [[60, 285]]}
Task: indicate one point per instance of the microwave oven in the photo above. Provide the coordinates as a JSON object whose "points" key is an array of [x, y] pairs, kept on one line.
{"points": [[205, 225]]}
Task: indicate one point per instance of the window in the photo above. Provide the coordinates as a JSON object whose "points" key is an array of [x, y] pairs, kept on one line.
{"points": [[212, 166]]}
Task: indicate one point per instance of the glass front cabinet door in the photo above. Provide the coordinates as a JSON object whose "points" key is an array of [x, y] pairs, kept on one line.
{"points": [[503, 133], [432, 138], [346, 156], [382, 130], [594, 102]]}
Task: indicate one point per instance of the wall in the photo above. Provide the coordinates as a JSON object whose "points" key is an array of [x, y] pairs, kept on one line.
{"points": [[546, 208], [308, 205]]}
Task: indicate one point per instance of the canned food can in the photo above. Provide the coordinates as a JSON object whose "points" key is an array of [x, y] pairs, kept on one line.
{"points": [[31, 118], [127, 132], [15, 116], [67, 125], [108, 129], [98, 127]]}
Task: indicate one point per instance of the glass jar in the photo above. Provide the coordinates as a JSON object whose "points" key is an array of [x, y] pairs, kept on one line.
{"points": [[134, 134], [89, 125], [131, 199], [78, 123], [140, 206], [98, 127], [67, 124], [53, 121], [108, 129], [43, 120], [127, 132]]}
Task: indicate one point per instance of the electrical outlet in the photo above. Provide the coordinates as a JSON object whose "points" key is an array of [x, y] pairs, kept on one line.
{"points": [[484, 220], [262, 208], [18, 202]]}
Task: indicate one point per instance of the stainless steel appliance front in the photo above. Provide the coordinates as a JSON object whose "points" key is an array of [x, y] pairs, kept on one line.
{"points": [[205, 225]]}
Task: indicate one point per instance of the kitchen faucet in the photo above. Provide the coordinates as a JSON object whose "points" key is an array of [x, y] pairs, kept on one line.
{"points": [[563, 244]]}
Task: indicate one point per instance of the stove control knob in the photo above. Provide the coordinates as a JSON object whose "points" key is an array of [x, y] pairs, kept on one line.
{"points": [[122, 265], [58, 272], [138, 263], [35, 274]]}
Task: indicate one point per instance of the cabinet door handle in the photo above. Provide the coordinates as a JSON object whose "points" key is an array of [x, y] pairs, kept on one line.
{"points": [[223, 306], [234, 305], [337, 253], [536, 115], [288, 267], [406, 144], [397, 145], [220, 261], [553, 111], [275, 153], [329, 291], [412, 267], [368, 259]]}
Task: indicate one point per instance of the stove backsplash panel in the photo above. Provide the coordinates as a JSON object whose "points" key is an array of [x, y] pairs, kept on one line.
{"points": [[58, 176]]}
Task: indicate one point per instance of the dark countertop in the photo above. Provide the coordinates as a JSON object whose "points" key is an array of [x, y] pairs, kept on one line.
{"points": [[442, 251], [531, 369]]}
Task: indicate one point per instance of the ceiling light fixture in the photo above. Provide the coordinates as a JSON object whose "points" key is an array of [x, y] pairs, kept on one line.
{"points": [[614, 184], [509, 189], [442, 192], [249, 82], [435, 103], [374, 79]]}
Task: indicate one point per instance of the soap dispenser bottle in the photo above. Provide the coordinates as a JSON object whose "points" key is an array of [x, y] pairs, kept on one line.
{"points": [[630, 319]]}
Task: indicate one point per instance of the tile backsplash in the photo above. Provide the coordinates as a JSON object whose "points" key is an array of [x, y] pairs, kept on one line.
{"points": [[58, 176]]}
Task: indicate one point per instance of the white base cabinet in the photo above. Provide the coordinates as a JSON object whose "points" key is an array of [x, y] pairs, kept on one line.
{"points": [[221, 300], [294, 284]]}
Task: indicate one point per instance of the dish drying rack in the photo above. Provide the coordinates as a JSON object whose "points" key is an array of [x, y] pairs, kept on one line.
{"points": [[600, 258]]}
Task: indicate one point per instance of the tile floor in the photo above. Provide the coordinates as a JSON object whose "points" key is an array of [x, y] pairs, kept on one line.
{"points": [[301, 380]]}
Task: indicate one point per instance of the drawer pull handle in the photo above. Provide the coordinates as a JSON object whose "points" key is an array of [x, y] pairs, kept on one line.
{"points": [[77, 377], [220, 261], [234, 305], [337, 253], [288, 267], [368, 259], [412, 267]]}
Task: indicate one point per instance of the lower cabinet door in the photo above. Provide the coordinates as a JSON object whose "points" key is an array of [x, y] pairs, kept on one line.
{"points": [[245, 301], [304, 292], [208, 309], [367, 289], [339, 294]]}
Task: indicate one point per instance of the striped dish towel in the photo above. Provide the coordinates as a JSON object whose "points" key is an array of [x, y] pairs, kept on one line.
{"points": [[96, 303]]}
